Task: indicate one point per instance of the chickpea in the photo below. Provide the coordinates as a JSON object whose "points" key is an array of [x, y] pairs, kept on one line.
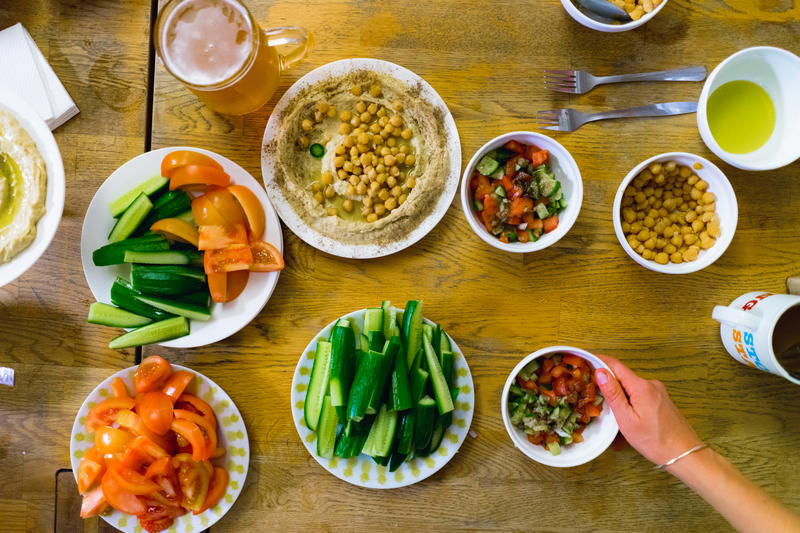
{"points": [[648, 254], [676, 257], [341, 174], [655, 168], [374, 187], [345, 115], [636, 227], [691, 253], [303, 141], [318, 197], [397, 105], [306, 125], [394, 171], [330, 192], [397, 192], [402, 199], [375, 90], [708, 197], [670, 167], [396, 121], [383, 194], [690, 239], [670, 248], [365, 117], [361, 106], [677, 240], [356, 90], [389, 160], [697, 226], [391, 142], [391, 181], [701, 185], [707, 242], [640, 249], [643, 235], [372, 217], [390, 203], [375, 129], [410, 159], [713, 229], [380, 209], [355, 122], [347, 166], [326, 178], [338, 161], [686, 230], [650, 243], [406, 133], [400, 157], [344, 128]]}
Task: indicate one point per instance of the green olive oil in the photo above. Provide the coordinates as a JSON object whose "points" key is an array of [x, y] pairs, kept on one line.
{"points": [[741, 116]]}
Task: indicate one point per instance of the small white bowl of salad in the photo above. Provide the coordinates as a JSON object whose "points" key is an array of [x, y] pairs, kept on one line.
{"points": [[521, 192], [553, 410]]}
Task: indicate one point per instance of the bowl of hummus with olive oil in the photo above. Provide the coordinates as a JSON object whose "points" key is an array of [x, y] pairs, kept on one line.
{"points": [[31, 187]]}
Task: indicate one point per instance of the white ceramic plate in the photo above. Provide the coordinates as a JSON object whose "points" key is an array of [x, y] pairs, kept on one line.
{"points": [[232, 435], [54, 199], [362, 470], [296, 224], [226, 318]]}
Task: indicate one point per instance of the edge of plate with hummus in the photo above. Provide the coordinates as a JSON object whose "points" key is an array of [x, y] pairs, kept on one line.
{"points": [[361, 158], [31, 187]]}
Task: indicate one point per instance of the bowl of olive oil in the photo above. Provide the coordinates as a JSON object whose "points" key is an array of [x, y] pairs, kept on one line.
{"points": [[749, 108]]}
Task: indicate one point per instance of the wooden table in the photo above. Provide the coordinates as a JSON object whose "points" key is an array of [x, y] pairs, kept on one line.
{"points": [[485, 59]]}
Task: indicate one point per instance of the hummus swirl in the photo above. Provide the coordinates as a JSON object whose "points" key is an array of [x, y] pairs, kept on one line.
{"points": [[296, 170], [23, 187]]}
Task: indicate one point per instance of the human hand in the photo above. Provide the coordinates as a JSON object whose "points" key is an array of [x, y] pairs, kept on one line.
{"points": [[647, 417]]}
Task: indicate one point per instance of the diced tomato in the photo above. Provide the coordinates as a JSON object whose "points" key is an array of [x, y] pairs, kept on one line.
{"points": [[590, 391], [536, 156], [514, 220], [577, 437], [119, 498], [155, 410], [523, 236], [94, 502], [574, 360], [253, 210], [198, 178], [483, 188], [529, 384], [514, 146], [547, 392], [504, 238], [266, 258], [550, 438], [520, 206], [229, 259], [593, 410], [236, 283], [196, 405], [490, 208], [550, 223], [547, 366], [151, 374], [204, 212], [182, 158], [218, 237], [104, 413], [516, 192], [558, 371], [176, 384], [176, 229], [560, 386], [536, 438], [216, 489], [511, 166], [118, 388], [507, 184]]}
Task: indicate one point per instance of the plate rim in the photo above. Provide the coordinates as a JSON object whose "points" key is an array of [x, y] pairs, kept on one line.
{"points": [[362, 251], [273, 277], [405, 483], [212, 517]]}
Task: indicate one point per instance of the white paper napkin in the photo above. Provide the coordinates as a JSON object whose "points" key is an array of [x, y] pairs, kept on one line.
{"points": [[28, 74]]}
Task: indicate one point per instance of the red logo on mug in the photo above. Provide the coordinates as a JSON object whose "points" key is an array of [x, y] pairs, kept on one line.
{"points": [[752, 303]]}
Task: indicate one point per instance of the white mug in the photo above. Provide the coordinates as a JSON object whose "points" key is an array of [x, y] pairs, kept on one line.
{"points": [[746, 327]]}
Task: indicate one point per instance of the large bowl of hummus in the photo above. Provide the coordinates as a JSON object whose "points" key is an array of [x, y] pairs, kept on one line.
{"points": [[31, 187], [361, 158]]}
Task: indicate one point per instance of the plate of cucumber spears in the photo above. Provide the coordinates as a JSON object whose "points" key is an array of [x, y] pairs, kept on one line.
{"points": [[383, 397], [166, 299]]}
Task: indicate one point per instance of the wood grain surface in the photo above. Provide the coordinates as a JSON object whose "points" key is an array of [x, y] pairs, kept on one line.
{"points": [[486, 61]]}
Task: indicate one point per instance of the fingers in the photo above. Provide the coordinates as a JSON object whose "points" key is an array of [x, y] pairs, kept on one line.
{"points": [[630, 381], [613, 393]]}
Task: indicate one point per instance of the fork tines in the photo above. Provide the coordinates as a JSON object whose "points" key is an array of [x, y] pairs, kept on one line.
{"points": [[549, 117], [561, 80]]}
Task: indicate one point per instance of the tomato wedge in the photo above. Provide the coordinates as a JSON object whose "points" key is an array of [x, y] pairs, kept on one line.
{"points": [[119, 498], [197, 178], [226, 205], [94, 502], [110, 440], [194, 479], [216, 237], [266, 258], [218, 286], [205, 425], [253, 210], [89, 471], [229, 259], [182, 158], [194, 435], [133, 422], [147, 447], [196, 405], [155, 410], [118, 388], [216, 489], [105, 412], [176, 229], [176, 384], [204, 212], [237, 281], [151, 374], [131, 481]]}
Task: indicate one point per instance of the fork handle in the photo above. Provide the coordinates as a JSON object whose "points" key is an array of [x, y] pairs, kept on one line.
{"points": [[652, 110], [681, 74]]}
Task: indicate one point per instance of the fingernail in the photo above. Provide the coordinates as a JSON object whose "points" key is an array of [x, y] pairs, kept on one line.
{"points": [[601, 377]]}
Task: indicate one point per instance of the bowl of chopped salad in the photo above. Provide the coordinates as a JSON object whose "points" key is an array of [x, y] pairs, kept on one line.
{"points": [[553, 410], [521, 192]]}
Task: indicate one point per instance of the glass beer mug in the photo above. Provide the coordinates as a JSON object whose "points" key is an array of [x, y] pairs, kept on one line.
{"points": [[221, 54]]}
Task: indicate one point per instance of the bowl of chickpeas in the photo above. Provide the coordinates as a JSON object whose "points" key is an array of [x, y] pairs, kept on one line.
{"points": [[675, 213], [640, 11]]}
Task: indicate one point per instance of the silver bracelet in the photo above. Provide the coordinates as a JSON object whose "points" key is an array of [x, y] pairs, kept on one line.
{"points": [[674, 460]]}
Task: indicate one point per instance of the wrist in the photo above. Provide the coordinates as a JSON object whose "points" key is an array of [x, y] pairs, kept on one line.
{"points": [[693, 465]]}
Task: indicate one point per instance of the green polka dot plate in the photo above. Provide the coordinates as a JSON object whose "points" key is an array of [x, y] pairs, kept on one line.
{"points": [[362, 470], [232, 435]]}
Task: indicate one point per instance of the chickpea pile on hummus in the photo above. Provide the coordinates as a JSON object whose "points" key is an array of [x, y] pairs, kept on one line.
{"points": [[362, 158]]}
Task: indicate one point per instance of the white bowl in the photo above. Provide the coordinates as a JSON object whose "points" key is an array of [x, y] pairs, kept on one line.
{"points": [[594, 24], [566, 170], [598, 435], [54, 198], [777, 71], [727, 209]]}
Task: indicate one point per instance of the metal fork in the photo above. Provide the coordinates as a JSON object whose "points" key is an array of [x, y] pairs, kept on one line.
{"points": [[581, 82], [572, 119]]}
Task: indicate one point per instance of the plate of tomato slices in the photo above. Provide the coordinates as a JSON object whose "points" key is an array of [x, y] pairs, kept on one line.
{"points": [[229, 229], [159, 446]]}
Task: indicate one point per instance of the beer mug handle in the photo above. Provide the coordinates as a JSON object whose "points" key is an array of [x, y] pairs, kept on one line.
{"points": [[735, 318], [290, 35]]}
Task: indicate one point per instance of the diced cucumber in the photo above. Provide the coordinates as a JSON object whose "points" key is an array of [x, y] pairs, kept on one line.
{"points": [[487, 165], [326, 432], [555, 190], [500, 191], [148, 187], [412, 329], [114, 253], [131, 218], [381, 435], [478, 205], [194, 312], [541, 211], [165, 257], [440, 389], [108, 315], [548, 186], [554, 448], [161, 331], [318, 385]]}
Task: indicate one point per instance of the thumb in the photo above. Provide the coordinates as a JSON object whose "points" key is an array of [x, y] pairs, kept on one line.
{"points": [[612, 392]]}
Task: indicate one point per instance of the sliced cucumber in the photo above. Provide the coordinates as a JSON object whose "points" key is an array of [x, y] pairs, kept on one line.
{"points": [[381, 435], [373, 319], [161, 331], [164, 257], [114, 253], [390, 328], [424, 423], [131, 218], [440, 389], [412, 329], [343, 346], [487, 165], [326, 432], [166, 280], [148, 187], [124, 296], [186, 216], [168, 205], [364, 384], [108, 315], [318, 385], [541, 211], [194, 312], [392, 350]]}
